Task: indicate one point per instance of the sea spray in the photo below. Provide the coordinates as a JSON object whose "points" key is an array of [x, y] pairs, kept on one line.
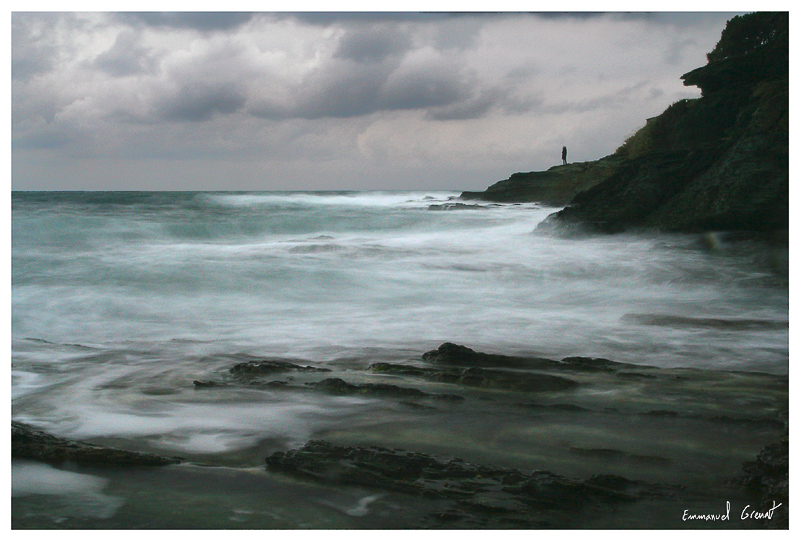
{"points": [[120, 300]]}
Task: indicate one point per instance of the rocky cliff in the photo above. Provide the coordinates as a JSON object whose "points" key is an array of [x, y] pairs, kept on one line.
{"points": [[718, 162]]}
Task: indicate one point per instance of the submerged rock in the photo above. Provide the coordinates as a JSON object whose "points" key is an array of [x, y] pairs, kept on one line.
{"points": [[27, 442], [474, 489], [768, 478], [617, 455], [593, 364], [483, 378], [668, 320], [204, 383], [510, 381], [455, 206], [341, 387]]}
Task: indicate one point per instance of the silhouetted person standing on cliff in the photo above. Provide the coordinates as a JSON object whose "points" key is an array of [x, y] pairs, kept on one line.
{"points": [[564, 155]]}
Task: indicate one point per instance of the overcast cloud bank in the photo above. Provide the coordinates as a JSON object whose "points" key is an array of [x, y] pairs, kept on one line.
{"points": [[334, 100]]}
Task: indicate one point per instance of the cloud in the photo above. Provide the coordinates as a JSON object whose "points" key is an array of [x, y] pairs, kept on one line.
{"points": [[201, 21], [426, 78], [126, 57], [199, 101], [368, 92], [326, 19], [373, 44], [32, 49], [366, 75]]}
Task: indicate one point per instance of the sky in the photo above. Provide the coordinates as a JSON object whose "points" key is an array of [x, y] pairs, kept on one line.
{"points": [[334, 100]]}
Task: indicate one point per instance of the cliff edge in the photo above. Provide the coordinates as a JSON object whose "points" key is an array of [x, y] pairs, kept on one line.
{"points": [[718, 162]]}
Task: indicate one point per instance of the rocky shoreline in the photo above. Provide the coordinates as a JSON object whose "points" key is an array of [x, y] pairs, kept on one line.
{"points": [[716, 163], [599, 398], [32, 444]]}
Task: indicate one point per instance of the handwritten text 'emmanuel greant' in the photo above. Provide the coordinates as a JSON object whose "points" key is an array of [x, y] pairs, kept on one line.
{"points": [[747, 514]]}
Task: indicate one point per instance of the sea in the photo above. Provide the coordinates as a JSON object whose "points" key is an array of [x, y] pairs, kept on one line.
{"points": [[120, 300]]}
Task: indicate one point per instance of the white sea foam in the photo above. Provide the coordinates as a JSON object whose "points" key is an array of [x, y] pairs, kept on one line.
{"points": [[155, 282], [332, 199], [75, 494]]}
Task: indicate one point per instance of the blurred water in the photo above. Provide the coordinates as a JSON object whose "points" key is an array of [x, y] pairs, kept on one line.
{"points": [[119, 300]]}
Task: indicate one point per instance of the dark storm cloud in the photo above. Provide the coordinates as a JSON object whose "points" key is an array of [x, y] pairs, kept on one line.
{"points": [[473, 107], [340, 93], [423, 86], [481, 102], [347, 87], [374, 66], [568, 15], [354, 93], [373, 44], [676, 18], [198, 102], [308, 90], [197, 20], [125, 57], [344, 17]]}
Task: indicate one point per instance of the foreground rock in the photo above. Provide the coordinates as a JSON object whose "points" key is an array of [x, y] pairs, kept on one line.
{"points": [[768, 478], [251, 370], [482, 378], [250, 366], [458, 355], [475, 491], [29, 443], [338, 386], [455, 354]]}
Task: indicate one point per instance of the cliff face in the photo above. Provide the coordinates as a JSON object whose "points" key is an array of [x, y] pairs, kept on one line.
{"points": [[555, 187], [720, 162]]}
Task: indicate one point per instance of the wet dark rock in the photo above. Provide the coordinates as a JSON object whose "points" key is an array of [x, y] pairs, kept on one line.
{"points": [[592, 364], [715, 163], [759, 422], [204, 384], [454, 206], [458, 355], [449, 397], [474, 489], [554, 187], [756, 422], [616, 454], [30, 443], [635, 375], [768, 479], [276, 384], [483, 378], [552, 407], [454, 354], [617, 487], [495, 379], [400, 369], [662, 413], [340, 387], [667, 320], [257, 366]]}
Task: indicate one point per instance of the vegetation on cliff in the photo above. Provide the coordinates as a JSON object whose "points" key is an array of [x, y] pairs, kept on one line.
{"points": [[718, 162]]}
